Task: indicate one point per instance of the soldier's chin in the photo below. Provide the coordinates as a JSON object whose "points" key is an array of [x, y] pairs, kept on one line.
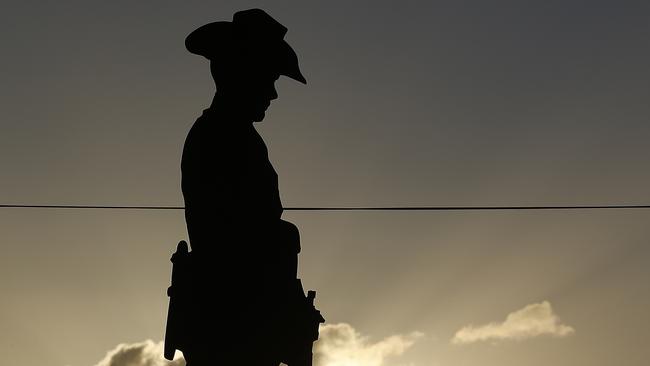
{"points": [[258, 116]]}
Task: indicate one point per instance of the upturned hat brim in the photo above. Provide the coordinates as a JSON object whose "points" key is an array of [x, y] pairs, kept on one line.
{"points": [[252, 36]]}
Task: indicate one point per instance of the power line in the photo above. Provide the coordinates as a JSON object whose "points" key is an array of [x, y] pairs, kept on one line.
{"points": [[93, 207], [357, 208]]}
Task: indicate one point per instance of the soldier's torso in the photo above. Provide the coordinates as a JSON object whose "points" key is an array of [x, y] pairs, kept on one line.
{"points": [[227, 178]]}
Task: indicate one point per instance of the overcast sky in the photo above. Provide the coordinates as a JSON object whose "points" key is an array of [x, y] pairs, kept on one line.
{"points": [[406, 103]]}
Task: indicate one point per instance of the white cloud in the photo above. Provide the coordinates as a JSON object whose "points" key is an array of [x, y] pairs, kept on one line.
{"points": [[341, 345], [531, 321], [147, 353], [338, 345]]}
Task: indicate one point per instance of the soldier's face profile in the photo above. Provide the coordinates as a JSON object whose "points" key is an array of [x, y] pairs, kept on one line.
{"points": [[255, 92], [262, 92]]}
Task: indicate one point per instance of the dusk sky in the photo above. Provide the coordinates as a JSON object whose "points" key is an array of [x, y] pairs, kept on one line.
{"points": [[461, 103]]}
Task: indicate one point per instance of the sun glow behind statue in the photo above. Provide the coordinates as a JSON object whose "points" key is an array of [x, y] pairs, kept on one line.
{"points": [[342, 345], [339, 345]]}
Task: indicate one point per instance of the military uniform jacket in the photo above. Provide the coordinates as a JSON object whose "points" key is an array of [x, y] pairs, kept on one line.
{"points": [[244, 256], [228, 182]]}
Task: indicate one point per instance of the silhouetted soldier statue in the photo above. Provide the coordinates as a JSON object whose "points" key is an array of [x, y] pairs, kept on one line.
{"points": [[235, 298]]}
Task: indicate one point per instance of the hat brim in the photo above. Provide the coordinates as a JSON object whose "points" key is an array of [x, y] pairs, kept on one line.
{"points": [[218, 40]]}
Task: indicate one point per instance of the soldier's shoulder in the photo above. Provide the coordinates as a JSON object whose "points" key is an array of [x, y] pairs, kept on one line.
{"points": [[209, 135], [202, 131]]}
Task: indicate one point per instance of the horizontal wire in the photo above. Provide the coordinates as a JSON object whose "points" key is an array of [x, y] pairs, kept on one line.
{"points": [[359, 208]]}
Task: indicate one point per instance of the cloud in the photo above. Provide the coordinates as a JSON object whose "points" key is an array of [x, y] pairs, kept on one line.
{"points": [[341, 345], [338, 345], [147, 353], [531, 321]]}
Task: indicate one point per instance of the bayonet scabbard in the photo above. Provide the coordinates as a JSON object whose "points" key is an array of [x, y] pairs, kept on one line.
{"points": [[173, 330]]}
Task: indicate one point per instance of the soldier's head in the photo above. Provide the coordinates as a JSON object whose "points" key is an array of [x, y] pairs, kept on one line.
{"points": [[246, 57], [247, 89]]}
